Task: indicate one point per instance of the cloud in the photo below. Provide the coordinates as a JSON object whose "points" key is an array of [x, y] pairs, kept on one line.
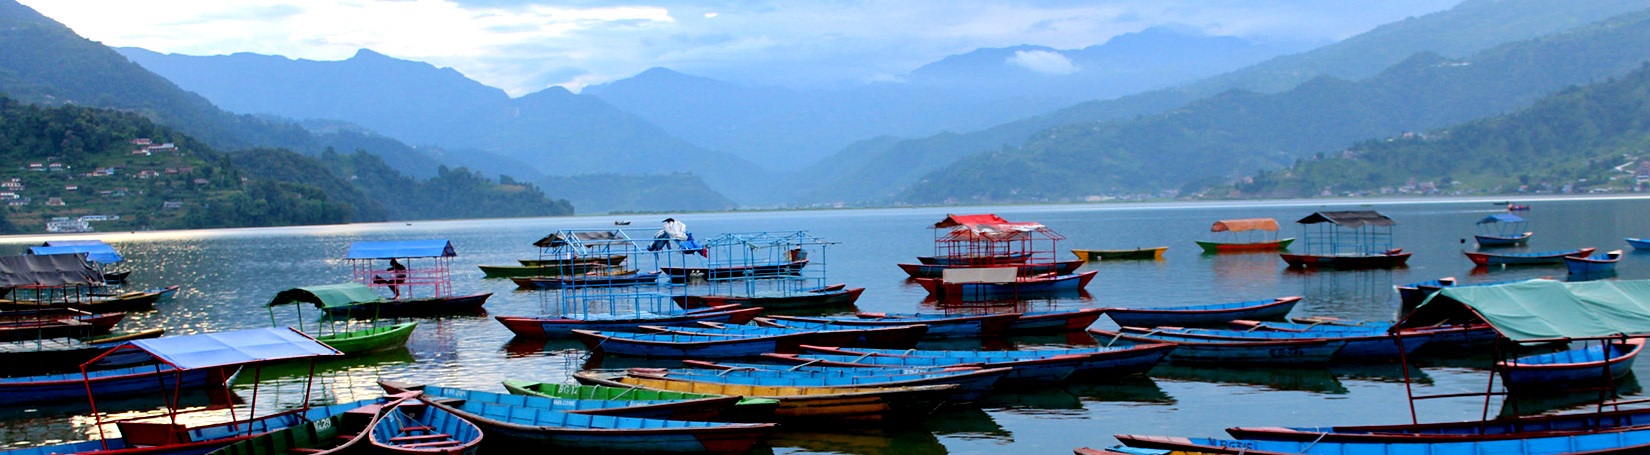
{"points": [[1047, 62]]}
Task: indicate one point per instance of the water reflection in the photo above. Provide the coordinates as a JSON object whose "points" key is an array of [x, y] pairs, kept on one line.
{"points": [[1532, 404], [966, 422], [1132, 389], [898, 440], [1306, 379], [1349, 294]]}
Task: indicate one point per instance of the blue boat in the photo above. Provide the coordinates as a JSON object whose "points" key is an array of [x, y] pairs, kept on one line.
{"points": [[1639, 244], [1509, 231], [973, 382], [122, 382], [1102, 362], [1028, 322], [1503, 428], [523, 422], [704, 407], [1592, 265], [1010, 287], [673, 345], [563, 326], [1637, 441], [140, 438], [1308, 351], [1449, 336], [415, 427], [976, 325], [587, 281], [899, 336], [1027, 370], [1360, 345], [1203, 315], [1576, 367]]}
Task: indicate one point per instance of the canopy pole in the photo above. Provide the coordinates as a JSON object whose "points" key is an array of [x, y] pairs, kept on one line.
{"points": [[1490, 387], [87, 380], [1403, 360]]}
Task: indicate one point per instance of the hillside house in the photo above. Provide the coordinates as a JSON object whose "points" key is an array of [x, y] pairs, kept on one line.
{"points": [[142, 141], [71, 187], [171, 205], [19, 202], [202, 181], [167, 147], [39, 167], [141, 152], [57, 167], [56, 201]]}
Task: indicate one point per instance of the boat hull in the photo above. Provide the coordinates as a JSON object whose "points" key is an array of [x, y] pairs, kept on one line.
{"points": [[522, 271], [426, 306], [935, 271], [683, 274], [550, 327], [1496, 240], [1592, 264], [1293, 352], [1232, 247], [1040, 286], [1140, 253], [368, 340], [1537, 259], [135, 381], [1370, 261], [956, 327], [1546, 373], [1154, 317], [829, 404], [807, 299]]}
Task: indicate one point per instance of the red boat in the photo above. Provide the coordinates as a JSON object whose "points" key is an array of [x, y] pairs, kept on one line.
{"points": [[1354, 239], [826, 296], [1393, 258], [1004, 286]]}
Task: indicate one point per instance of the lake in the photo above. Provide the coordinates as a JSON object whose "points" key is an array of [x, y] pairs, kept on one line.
{"points": [[229, 275]]}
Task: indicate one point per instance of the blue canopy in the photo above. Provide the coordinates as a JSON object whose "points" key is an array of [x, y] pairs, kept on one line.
{"points": [[231, 348], [401, 249], [1501, 218], [98, 252]]}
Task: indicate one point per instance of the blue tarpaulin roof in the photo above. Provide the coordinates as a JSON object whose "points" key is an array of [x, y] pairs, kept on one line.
{"points": [[401, 249], [1502, 218], [99, 252], [232, 348]]}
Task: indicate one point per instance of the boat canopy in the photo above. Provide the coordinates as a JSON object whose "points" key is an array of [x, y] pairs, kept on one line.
{"points": [[1542, 309], [985, 223], [1248, 224], [228, 348], [562, 238], [1351, 219], [327, 296], [401, 249], [47, 270], [1501, 218], [98, 252]]}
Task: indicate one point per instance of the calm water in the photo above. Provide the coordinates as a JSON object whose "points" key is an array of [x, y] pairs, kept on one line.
{"points": [[228, 275]]}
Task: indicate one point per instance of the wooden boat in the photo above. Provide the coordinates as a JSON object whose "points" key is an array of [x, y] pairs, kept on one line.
{"points": [[955, 326], [157, 438], [1026, 269], [611, 259], [1586, 422], [682, 274], [55, 323], [1028, 322], [1576, 367], [1518, 207], [1028, 369], [1639, 244], [671, 345], [972, 383], [1509, 231], [1228, 247], [1485, 241], [419, 306], [656, 404], [60, 354], [1547, 257], [422, 427], [1620, 442], [1360, 345], [630, 278], [555, 327], [370, 339], [832, 295], [976, 260], [1271, 352], [522, 271], [1203, 315], [1138, 253], [1231, 243], [339, 433], [130, 301], [832, 404], [712, 409], [1446, 336], [1592, 264], [1388, 259], [1007, 286], [120, 382], [1101, 362], [892, 337]]}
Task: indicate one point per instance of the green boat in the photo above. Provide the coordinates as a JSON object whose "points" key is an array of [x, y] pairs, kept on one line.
{"points": [[341, 295], [747, 410], [336, 434]]}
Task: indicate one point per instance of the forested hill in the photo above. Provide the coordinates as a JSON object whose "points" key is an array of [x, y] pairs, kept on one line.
{"points": [[1592, 137], [1241, 132], [451, 193]]}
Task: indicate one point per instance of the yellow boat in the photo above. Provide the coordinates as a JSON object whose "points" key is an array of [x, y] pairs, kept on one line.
{"points": [[1138, 253], [873, 404]]}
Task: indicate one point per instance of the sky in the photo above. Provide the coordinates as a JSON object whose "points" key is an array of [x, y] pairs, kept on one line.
{"points": [[523, 46]]}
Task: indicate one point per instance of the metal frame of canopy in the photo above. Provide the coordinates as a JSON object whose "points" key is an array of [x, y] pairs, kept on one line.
{"points": [[749, 251], [46, 274], [293, 296], [435, 274], [1503, 344], [1360, 232], [978, 239], [1507, 225], [623, 291]]}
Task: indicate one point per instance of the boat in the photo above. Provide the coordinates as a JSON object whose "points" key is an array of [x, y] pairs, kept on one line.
{"points": [[1576, 367], [1443, 336], [710, 409], [1356, 239], [588, 280], [525, 271], [1586, 422], [336, 434], [1231, 242], [829, 404], [1137, 253], [55, 323], [1619, 442], [972, 383], [656, 404], [609, 259], [1592, 264], [120, 382], [422, 427], [563, 326], [832, 295], [999, 283], [1026, 269], [1511, 232], [1517, 207], [976, 260], [1027, 369], [977, 325], [123, 302], [1639, 244], [683, 274], [897, 336], [1101, 362], [1546, 257], [621, 223], [1308, 351], [1360, 345], [1203, 315], [102, 256], [525, 422], [343, 295], [559, 257], [64, 354], [1028, 322], [672, 345], [419, 277]]}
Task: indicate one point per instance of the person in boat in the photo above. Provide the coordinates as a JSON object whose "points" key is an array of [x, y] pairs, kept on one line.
{"points": [[399, 276]]}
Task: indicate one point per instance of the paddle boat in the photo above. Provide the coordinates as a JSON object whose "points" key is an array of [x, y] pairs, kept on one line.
{"points": [[1100, 362], [1231, 243], [418, 426], [1028, 322], [1203, 315], [1359, 239], [656, 404], [344, 295], [1538, 258], [1639, 244], [999, 283], [947, 327], [1509, 232], [833, 295], [972, 383], [419, 278], [1302, 351], [829, 404], [563, 326], [1586, 366], [1592, 264], [1137, 253]]}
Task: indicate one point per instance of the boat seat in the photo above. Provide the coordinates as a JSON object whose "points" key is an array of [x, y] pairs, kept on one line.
{"points": [[420, 437], [418, 428], [431, 444]]}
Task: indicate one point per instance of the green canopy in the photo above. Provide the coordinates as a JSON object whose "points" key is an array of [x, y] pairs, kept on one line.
{"points": [[328, 296], [1542, 309]]}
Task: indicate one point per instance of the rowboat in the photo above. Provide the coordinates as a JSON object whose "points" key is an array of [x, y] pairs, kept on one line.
{"points": [[1509, 231], [682, 274], [55, 323], [1138, 253], [1495, 240], [335, 434], [1497, 429], [1547, 257], [419, 306], [1101, 362], [58, 354], [832, 295], [1622, 442], [527, 270], [611, 259], [1203, 315], [1388, 259], [671, 345], [120, 382], [347, 295], [656, 404], [158, 438], [703, 409], [1518, 207], [1028, 368], [1231, 243], [1360, 345], [563, 326], [1025, 269], [1226, 247], [1576, 367], [956, 326], [976, 260], [1592, 264], [804, 403], [1447, 336], [897, 336], [951, 287], [129, 301], [1639, 244], [1272, 352], [972, 383], [630, 278], [422, 427], [1028, 322], [370, 339]]}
